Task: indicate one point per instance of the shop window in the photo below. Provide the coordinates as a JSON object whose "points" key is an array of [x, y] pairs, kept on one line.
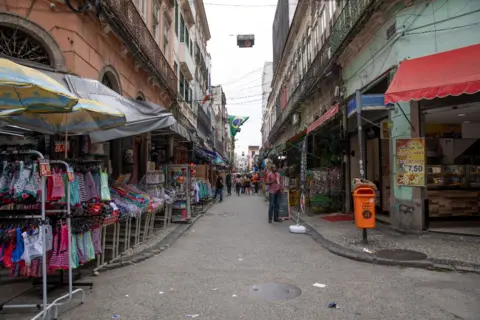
{"points": [[20, 45]]}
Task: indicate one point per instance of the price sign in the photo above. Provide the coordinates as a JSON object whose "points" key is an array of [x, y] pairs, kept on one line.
{"points": [[45, 170], [413, 168], [410, 162], [60, 147], [70, 174]]}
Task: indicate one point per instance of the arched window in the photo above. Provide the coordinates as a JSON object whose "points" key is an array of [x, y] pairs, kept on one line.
{"points": [[18, 44], [110, 79]]}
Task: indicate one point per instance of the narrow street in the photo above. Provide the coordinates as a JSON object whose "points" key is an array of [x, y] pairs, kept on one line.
{"points": [[211, 269]]}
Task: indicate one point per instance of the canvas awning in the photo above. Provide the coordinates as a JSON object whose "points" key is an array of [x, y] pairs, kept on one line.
{"points": [[142, 116], [449, 73]]}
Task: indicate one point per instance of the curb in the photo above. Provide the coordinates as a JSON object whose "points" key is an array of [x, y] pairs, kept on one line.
{"points": [[434, 264], [156, 249]]}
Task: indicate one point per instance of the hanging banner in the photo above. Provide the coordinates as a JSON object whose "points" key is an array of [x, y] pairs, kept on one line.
{"points": [[410, 162], [303, 175], [235, 123]]}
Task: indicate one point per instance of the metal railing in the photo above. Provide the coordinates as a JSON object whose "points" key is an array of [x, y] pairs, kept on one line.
{"points": [[352, 13], [127, 22]]}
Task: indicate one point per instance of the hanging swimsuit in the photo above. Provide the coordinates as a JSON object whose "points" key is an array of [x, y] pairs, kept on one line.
{"points": [[33, 184], [81, 187], [104, 189], [74, 194], [90, 188], [19, 247]]}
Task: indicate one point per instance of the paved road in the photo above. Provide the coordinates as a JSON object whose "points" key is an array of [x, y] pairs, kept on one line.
{"points": [[233, 247]]}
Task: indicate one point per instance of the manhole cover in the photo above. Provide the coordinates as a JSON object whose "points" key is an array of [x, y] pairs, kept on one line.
{"points": [[274, 291], [401, 254]]}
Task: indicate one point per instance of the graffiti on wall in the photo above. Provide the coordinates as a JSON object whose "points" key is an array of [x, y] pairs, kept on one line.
{"points": [[410, 214]]}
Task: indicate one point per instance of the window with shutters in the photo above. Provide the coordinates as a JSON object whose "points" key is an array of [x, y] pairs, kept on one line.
{"points": [[182, 29], [175, 23], [166, 39], [156, 21], [142, 8]]}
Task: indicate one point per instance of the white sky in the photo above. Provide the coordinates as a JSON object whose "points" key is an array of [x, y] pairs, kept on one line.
{"points": [[239, 70]]}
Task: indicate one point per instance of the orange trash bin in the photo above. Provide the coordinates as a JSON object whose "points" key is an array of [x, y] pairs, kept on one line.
{"points": [[364, 207]]}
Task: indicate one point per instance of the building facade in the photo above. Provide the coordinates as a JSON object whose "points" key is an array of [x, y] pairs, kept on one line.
{"points": [[267, 77], [220, 123], [96, 45], [252, 156], [340, 53], [191, 60]]}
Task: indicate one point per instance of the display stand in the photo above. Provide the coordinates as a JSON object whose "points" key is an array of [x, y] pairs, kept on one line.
{"points": [[59, 301], [178, 177]]}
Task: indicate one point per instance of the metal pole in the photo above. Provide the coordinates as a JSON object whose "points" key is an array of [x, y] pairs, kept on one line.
{"points": [[358, 101]]}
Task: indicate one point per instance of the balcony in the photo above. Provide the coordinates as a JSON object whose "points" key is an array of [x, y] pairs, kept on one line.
{"points": [[186, 62], [203, 119], [187, 12], [346, 26], [188, 112], [127, 23]]}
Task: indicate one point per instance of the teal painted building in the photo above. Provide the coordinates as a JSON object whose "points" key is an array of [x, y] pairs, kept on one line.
{"points": [[396, 33]]}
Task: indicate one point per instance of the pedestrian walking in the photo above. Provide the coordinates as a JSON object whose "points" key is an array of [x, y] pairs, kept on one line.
{"points": [[228, 182], [238, 184], [247, 184], [256, 180], [219, 188], [273, 180]]}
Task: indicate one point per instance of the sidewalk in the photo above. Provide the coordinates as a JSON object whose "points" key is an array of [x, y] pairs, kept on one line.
{"points": [[451, 252]]}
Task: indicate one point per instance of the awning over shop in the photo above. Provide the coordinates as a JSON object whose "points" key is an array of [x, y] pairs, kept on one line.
{"points": [[142, 116], [449, 73], [324, 118], [181, 130], [298, 137], [370, 102]]}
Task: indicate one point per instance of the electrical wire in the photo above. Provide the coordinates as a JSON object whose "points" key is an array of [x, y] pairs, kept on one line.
{"points": [[240, 5], [245, 102], [242, 77]]}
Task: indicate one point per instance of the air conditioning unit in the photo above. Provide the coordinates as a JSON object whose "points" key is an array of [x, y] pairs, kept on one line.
{"points": [[295, 119]]}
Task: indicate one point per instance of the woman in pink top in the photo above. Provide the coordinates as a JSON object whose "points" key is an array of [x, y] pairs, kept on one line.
{"points": [[273, 180]]}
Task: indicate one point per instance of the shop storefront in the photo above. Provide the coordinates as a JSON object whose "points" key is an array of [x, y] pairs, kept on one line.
{"points": [[376, 141], [325, 170], [436, 168], [103, 194]]}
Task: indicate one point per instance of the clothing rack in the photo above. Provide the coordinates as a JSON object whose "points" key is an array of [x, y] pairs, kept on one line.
{"points": [[45, 307]]}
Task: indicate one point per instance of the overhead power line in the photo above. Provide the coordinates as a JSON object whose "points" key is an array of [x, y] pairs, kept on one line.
{"points": [[240, 5]]}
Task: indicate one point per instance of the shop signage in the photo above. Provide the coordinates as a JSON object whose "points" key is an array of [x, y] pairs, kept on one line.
{"points": [[410, 162], [369, 102], [326, 116], [284, 205]]}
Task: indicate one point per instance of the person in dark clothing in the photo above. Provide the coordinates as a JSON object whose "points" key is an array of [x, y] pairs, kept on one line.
{"points": [[228, 181], [219, 188]]}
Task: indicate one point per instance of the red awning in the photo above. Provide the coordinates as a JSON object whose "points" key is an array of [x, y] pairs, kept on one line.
{"points": [[449, 73], [327, 115]]}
